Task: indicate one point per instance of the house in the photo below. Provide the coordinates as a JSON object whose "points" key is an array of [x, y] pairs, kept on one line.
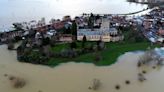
{"points": [[10, 35], [161, 32], [148, 23], [58, 25], [117, 38], [97, 34], [65, 38], [105, 32]]}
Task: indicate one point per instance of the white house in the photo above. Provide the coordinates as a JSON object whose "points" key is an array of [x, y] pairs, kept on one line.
{"points": [[97, 34]]}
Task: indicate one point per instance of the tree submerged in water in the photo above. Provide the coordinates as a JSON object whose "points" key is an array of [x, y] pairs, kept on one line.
{"points": [[150, 56], [147, 57], [95, 85], [10, 45], [16, 82]]}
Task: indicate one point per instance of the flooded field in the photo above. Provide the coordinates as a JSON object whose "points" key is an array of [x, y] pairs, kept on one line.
{"points": [[77, 77]]}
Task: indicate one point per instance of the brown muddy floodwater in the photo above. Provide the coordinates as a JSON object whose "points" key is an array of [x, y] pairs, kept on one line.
{"points": [[77, 77]]}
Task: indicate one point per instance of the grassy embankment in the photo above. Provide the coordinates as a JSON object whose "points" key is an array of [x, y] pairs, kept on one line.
{"points": [[109, 55]]}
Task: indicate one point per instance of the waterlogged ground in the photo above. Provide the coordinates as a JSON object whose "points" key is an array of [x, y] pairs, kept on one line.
{"points": [[77, 77]]}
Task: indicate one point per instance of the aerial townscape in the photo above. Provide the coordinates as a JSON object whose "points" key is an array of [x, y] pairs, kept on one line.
{"points": [[89, 37], [86, 53]]}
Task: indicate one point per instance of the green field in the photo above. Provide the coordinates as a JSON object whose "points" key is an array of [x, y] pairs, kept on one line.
{"points": [[109, 55]]}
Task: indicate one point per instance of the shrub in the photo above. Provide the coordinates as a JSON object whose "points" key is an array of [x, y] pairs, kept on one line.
{"points": [[46, 41], [10, 46], [17, 82], [98, 57], [34, 57], [17, 38], [73, 45], [68, 53], [84, 41]]}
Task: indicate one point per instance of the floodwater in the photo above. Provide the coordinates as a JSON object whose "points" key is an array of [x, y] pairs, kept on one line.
{"points": [[77, 77]]}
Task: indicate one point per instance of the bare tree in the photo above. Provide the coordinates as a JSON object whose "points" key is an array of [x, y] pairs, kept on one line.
{"points": [[96, 84]]}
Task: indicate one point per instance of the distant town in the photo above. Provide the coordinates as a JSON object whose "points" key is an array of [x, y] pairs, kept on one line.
{"points": [[93, 26]]}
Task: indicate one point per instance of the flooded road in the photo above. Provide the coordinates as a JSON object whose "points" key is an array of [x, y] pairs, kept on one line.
{"points": [[77, 77]]}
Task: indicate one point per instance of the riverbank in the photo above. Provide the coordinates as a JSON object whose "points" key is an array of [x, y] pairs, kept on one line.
{"points": [[77, 77], [108, 56]]}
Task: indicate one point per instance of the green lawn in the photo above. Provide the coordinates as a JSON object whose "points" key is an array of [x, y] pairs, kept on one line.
{"points": [[109, 55]]}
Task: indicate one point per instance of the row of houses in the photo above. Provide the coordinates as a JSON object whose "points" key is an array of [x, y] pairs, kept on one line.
{"points": [[10, 35], [106, 35], [153, 25], [104, 28]]}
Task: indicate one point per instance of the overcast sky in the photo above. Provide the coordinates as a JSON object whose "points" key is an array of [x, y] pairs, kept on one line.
{"points": [[26, 10]]}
